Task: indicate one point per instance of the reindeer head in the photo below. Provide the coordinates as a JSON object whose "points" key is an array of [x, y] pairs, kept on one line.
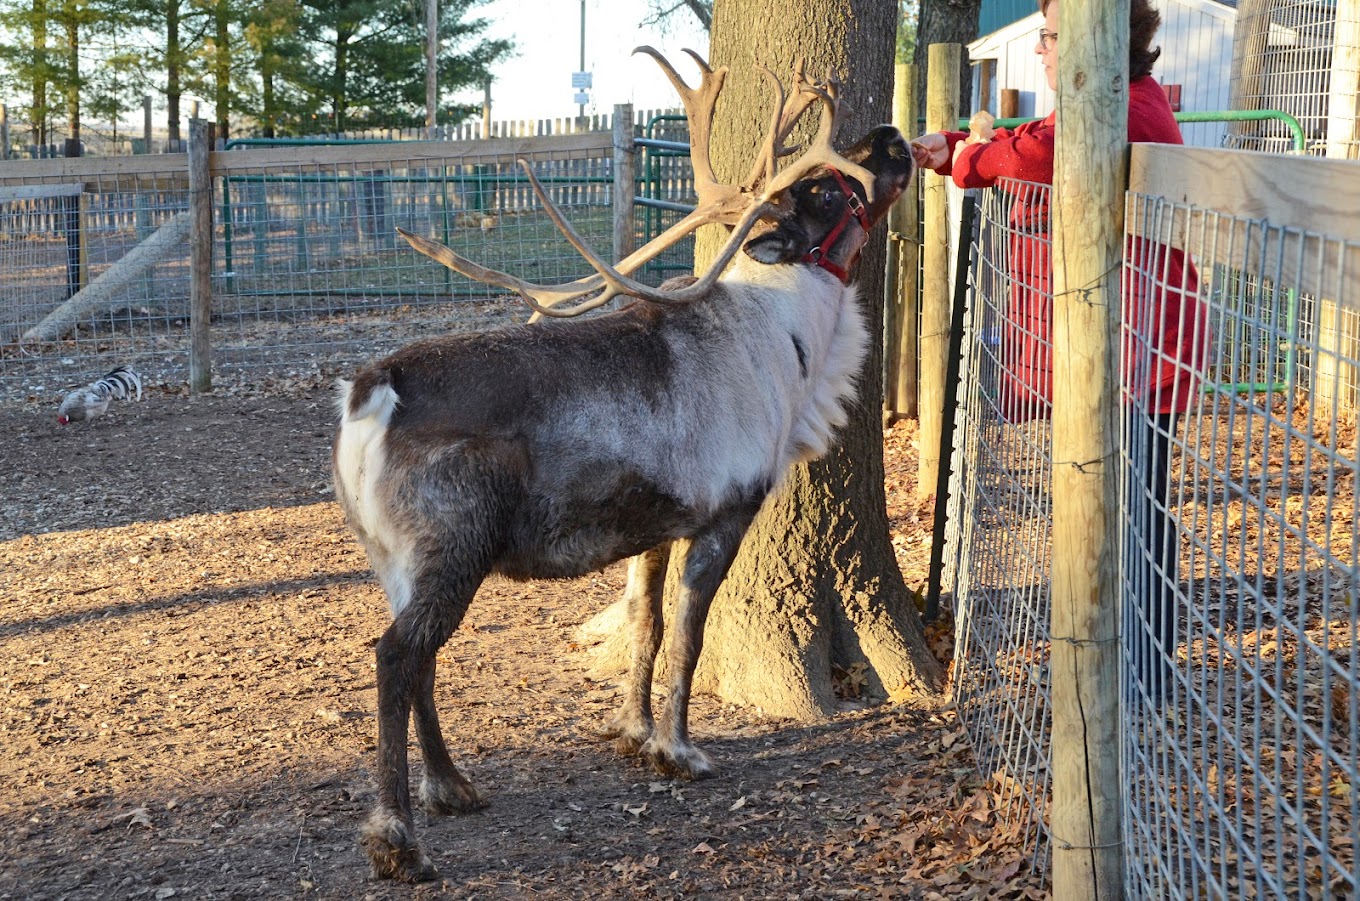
{"points": [[827, 217], [820, 206]]}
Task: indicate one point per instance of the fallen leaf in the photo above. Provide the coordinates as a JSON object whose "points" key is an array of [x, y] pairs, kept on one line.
{"points": [[138, 816]]}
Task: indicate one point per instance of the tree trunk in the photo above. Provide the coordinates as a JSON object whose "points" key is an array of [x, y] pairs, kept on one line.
{"points": [[338, 88], [164, 243], [947, 22], [73, 70], [270, 116], [172, 67], [222, 69], [40, 72], [816, 586]]}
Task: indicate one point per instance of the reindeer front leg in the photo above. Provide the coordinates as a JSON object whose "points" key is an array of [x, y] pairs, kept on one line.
{"points": [[633, 724], [707, 560]]}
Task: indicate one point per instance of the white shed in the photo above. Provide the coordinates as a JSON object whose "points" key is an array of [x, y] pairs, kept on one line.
{"points": [[1196, 40]]}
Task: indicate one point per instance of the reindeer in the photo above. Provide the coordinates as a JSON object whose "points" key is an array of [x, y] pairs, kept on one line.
{"points": [[552, 449]]}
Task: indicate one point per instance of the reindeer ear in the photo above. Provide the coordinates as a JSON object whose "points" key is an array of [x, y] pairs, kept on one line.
{"points": [[773, 248]]}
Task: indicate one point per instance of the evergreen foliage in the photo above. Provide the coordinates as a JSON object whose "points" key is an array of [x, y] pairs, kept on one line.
{"points": [[268, 67]]}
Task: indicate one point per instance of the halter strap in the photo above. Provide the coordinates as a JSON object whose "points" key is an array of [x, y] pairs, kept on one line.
{"points": [[853, 207]]}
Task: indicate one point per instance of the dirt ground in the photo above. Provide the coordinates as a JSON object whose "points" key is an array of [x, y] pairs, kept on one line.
{"points": [[187, 687]]}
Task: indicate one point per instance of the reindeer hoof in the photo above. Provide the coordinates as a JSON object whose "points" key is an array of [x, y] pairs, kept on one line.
{"points": [[442, 798], [629, 736], [392, 850], [685, 761]]}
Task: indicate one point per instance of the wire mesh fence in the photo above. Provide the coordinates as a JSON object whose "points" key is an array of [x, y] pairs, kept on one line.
{"points": [[1244, 768], [1240, 571], [1001, 508], [1297, 56], [60, 237], [313, 271], [309, 275]]}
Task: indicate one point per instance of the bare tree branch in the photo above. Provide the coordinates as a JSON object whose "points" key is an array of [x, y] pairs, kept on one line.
{"points": [[663, 10]]}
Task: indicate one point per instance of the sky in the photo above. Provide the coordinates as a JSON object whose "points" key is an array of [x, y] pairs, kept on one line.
{"points": [[536, 82]]}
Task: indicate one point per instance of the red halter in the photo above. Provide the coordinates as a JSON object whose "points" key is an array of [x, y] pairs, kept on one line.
{"points": [[854, 207]]}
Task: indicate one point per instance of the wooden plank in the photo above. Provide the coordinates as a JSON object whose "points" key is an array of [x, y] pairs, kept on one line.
{"points": [[235, 162], [1223, 201], [1289, 191], [87, 168], [169, 171], [39, 192]]}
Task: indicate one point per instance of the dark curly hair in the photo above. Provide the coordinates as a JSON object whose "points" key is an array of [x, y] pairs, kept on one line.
{"points": [[1144, 20]]}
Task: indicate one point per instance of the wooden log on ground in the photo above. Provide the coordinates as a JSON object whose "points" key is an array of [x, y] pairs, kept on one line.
{"points": [[167, 241]]}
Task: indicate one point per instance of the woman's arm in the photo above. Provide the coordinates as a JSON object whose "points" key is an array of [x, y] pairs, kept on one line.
{"points": [[1025, 154]]}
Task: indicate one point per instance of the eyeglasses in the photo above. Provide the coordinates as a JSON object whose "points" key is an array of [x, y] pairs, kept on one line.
{"points": [[1047, 39]]}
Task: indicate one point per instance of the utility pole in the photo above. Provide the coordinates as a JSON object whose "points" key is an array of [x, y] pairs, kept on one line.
{"points": [[581, 111]]}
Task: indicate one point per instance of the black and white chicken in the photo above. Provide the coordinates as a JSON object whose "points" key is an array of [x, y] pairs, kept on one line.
{"points": [[92, 400]]}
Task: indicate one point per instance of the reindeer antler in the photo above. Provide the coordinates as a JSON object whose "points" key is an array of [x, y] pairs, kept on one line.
{"points": [[820, 152], [786, 115], [741, 206]]}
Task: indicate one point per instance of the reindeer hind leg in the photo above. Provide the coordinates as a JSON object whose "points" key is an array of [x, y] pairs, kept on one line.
{"points": [[443, 790], [439, 597]]}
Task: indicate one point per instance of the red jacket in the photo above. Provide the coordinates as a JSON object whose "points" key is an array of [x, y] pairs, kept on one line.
{"points": [[1163, 316]]}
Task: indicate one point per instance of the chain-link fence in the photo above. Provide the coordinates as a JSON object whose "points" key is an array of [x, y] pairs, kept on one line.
{"points": [[308, 273], [1240, 570]]}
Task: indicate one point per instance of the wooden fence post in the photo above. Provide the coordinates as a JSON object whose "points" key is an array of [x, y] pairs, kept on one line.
{"points": [[1090, 174], [1010, 103], [73, 225], [942, 114], [625, 168], [901, 285], [1336, 377], [1247, 79], [200, 258]]}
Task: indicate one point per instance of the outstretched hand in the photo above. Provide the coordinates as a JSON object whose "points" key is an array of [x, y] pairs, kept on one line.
{"points": [[930, 151]]}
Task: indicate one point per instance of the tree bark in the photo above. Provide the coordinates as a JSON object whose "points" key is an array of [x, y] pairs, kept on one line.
{"points": [[816, 585], [72, 14], [947, 22]]}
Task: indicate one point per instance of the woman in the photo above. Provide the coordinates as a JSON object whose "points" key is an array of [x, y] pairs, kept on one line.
{"points": [[1166, 331]]}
